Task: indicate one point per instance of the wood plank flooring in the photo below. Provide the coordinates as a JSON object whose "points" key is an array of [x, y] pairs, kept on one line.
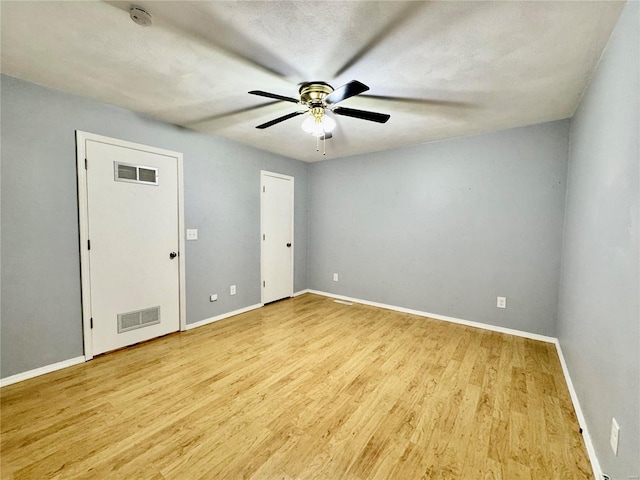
{"points": [[302, 389]]}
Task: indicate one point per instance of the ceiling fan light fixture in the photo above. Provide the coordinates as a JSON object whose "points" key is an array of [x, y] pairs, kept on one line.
{"points": [[318, 125]]}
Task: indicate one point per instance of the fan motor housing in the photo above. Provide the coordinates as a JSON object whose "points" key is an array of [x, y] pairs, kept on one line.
{"points": [[314, 93]]}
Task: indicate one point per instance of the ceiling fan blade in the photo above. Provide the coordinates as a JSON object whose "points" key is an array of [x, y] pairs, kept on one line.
{"points": [[362, 114], [407, 13], [230, 113], [424, 101], [280, 119], [273, 95], [347, 90]]}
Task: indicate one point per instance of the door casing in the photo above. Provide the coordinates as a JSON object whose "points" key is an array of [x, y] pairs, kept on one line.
{"points": [[83, 217]]}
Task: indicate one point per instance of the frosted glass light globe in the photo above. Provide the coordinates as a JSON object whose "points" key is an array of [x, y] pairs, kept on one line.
{"points": [[308, 124], [318, 129], [328, 124]]}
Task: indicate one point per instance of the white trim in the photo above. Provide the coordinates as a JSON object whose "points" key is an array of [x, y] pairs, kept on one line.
{"points": [[595, 464], [301, 292], [484, 326], [207, 321], [264, 173], [85, 272], [19, 377], [182, 289], [83, 213], [275, 175]]}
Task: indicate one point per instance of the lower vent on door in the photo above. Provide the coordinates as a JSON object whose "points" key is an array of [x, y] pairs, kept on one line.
{"points": [[141, 318]]}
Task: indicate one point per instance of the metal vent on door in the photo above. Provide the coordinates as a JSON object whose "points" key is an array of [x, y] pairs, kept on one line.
{"points": [[125, 172], [141, 318]]}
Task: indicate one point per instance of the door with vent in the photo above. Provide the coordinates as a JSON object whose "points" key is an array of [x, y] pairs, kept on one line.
{"points": [[133, 244]]}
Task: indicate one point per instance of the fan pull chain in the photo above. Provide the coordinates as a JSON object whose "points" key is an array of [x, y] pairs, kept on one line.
{"points": [[324, 144]]}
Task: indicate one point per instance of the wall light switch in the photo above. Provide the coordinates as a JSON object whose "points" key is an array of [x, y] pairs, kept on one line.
{"points": [[335, 277], [192, 233], [232, 290], [502, 302]]}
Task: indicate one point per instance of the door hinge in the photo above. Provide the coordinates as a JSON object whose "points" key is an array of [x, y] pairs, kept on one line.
{"points": [[86, 164], [88, 244], [91, 322]]}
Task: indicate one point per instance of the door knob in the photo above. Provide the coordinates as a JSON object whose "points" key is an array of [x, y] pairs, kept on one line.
{"points": [[288, 244], [173, 255]]}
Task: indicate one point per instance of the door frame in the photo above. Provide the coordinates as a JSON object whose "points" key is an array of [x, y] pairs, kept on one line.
{"points": [[83, 218], [265, 173]]}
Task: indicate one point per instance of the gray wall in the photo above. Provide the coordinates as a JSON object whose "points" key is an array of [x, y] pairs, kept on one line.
{"points": [[447, 227], [41, 311], [599, 316]]}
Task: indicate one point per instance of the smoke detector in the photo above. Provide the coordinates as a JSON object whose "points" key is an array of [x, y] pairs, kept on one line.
{"points": [[140, 16]]}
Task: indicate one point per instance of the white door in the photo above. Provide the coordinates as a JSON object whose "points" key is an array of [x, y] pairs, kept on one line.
{"points": [[133, 244], [277, 236]]}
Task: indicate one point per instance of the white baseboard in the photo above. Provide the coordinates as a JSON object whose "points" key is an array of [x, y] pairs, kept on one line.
{"points": [[595, 464], [19, 377], [301, 292], [484, 326], [207, 321]]}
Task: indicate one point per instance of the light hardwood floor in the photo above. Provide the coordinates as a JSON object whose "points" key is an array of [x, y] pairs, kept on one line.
{"points": [[302, 389]]}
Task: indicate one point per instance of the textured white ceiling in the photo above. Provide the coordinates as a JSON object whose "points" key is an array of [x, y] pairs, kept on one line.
{"points": [[460, 67]]}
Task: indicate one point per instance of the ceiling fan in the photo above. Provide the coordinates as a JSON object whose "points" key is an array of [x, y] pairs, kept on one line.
{"points": [[318, 98]]}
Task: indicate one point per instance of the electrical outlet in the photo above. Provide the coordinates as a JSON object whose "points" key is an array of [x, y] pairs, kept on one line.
{"points": [[502, 302], [213, 298], [192, 233], [615, 436], [335, 277], [232, 290]]}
